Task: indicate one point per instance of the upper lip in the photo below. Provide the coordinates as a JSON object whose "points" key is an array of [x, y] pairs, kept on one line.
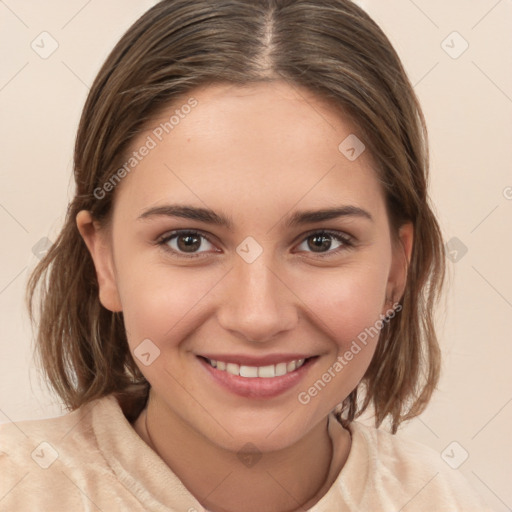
{"points": [[245, 360]]}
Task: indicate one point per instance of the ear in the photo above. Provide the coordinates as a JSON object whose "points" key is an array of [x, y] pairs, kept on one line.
{"points": [[401, 257], [99, 244]]}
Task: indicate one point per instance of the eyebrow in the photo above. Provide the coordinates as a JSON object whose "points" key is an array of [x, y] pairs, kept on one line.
{"points": [[210, 217], [311, 216], [187, 212]]}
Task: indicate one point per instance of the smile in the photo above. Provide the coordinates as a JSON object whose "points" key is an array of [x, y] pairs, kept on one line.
{"points": [[249, 379], [269, 371]]}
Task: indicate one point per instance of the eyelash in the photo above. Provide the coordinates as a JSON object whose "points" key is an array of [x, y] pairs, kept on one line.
{"points": [[346, 240]]}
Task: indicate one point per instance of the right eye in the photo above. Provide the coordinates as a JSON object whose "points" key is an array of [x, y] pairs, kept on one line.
{"points": [[184, 243]]}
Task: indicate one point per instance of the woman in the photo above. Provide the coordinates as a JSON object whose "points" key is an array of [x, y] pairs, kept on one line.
{"points": [[250, 261]]}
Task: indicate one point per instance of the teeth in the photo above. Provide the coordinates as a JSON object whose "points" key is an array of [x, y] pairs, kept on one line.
{"points": [[280, 369], [233, 368], [248, 371], [272, 370], [267, 371]]}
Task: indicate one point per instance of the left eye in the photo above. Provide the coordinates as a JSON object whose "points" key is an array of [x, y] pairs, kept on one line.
{"points": [[321, 242], [185, 243], [188, 243]]}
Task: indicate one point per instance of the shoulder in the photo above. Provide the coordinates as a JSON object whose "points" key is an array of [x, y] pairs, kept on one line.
{"points": [[41, 461], [406, 472], [29, 436], [89, 459]]}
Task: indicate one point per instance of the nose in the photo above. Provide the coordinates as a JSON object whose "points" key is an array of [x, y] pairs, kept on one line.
{"points": [[258, 303]]}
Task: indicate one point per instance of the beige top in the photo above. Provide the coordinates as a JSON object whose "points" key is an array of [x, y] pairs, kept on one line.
{"points": [[93, 460]]}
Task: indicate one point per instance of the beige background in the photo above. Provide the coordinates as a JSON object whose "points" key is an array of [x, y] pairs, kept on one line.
{"points": [[467, 100]]}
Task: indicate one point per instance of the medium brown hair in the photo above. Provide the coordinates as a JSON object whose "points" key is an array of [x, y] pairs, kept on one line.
{"points": [[332, 48]]}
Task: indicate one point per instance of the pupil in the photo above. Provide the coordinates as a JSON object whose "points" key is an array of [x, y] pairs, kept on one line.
{"points": [[321, 241], [190, 242]]}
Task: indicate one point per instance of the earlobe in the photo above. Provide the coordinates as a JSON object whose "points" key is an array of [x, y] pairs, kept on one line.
{"points": [[100, 249], [406, 236], [402, 253]]}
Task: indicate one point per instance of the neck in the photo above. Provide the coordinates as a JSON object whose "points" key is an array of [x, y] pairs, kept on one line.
{"points": [[290, 479]]}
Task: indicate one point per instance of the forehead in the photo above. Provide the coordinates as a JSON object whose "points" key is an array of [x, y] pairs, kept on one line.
{"points": [[265, 146]]}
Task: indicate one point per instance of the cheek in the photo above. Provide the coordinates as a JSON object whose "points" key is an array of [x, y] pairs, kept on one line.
{"points": [[159, 302], [348, 301], [346, 306]]}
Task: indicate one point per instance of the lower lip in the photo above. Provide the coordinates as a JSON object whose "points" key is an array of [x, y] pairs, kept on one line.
{"points": [[258, 387]]}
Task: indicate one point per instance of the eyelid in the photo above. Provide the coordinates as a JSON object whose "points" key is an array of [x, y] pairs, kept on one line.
{"points": [[347, 241], [333, 232], [162, 241]]}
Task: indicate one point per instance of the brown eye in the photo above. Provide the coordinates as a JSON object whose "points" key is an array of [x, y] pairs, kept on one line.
{"points": [[186, 243], [321, 242]]}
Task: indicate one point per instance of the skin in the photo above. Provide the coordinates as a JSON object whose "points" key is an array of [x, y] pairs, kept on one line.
{"points": [[255, 154]]}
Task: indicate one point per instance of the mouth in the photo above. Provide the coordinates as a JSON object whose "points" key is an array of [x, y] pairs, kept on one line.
{"points": [[265, 371], [243, 377]]}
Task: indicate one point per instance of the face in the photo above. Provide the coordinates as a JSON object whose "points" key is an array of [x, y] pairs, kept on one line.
{"points": [[211, 257]]}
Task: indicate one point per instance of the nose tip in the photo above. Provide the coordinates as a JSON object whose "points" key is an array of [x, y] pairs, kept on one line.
{"points": [[258, 305]]}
